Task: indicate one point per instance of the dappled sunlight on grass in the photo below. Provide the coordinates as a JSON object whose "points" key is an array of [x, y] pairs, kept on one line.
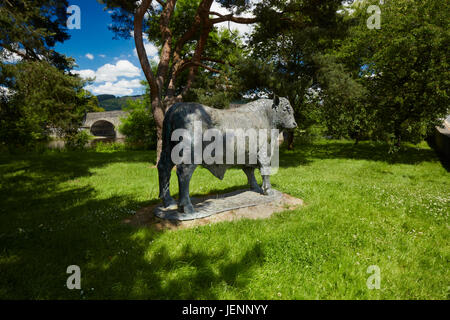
{"points": [[363, 207]]}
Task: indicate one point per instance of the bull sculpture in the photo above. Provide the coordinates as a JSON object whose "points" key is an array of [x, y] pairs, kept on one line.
{"points": [[260, 114]]}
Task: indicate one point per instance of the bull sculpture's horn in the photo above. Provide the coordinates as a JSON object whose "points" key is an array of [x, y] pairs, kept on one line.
{"points": [[276, 101]]}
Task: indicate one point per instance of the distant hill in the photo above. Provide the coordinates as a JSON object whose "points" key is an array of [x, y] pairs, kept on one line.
{"points": [[110, 102]]}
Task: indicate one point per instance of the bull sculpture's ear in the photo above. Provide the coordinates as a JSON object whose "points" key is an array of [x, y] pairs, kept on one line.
{"points": [[276, 101]]}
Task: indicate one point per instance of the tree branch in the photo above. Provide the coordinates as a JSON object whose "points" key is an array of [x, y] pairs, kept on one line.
{"points": [[230, 17], [217, 61], [201, 20], [206, 67], [11, 49], [166, 33], [215, 14], [140, 49]]}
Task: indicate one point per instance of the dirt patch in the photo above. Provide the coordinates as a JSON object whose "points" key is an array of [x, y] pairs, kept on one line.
{"points": [[146, 218]]}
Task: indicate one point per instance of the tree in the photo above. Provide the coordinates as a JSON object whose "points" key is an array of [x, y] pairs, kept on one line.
{"points": [[39, 95], [92, 104], [181, 30], [344, 106], [31, 28], [403, 65], [41, 98], [284, 46], [218, 90]]}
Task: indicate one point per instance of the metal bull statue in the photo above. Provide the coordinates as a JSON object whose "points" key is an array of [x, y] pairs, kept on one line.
{"points": [[259, 115]]}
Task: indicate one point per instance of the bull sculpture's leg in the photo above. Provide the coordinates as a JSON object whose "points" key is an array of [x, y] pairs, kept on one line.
{"points": [[265, 169], [266, 186], [250, 172], [184, 173], [165, 166]]}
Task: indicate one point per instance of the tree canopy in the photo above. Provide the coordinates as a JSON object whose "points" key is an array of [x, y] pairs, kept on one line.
{"points": [[386, 83], [182, 30], [399, 73], [31, 28], [38, 94]]}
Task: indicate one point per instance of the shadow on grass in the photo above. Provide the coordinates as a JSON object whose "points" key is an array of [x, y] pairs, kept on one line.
{"points": [[373, 151], [186, 274], [45, 228]]}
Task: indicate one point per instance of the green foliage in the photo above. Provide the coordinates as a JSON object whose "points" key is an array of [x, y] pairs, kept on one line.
{"points": [[139, 126], [223, 50], [343, 101], [284, 46], [111, 102], [31, 28], [92, 103], [62, 208], [76, 141], [109, 147], [43, 100], [220, 89], [403, 66]]}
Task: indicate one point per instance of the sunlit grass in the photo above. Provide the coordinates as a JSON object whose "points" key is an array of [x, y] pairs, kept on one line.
{"points": [[363, 207]]}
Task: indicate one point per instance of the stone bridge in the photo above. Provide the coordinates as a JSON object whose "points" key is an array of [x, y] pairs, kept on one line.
{"points": [[104, 124]]}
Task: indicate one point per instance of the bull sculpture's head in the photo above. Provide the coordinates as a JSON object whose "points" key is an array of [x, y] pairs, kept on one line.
{"points": [[283, 114]]}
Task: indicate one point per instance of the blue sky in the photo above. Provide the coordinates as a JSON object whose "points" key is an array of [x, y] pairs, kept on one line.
{"points": [[113, 62]]}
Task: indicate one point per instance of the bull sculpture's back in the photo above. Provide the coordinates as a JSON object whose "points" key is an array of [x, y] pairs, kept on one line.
{"points": [[260, 114]]}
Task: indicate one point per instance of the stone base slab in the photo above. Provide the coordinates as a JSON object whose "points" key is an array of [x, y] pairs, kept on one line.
{"points": [[216, 208]]}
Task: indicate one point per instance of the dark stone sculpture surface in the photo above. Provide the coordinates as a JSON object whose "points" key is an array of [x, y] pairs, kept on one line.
{"points": [[229, 201], [260, 114]]}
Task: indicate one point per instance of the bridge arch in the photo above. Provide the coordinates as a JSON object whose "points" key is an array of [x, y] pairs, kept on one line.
{"points": [[104, 124], [103, 128]]}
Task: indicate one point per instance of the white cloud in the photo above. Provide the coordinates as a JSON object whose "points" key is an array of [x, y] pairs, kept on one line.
{"points": [[89, 56], [86, 73], [122, 68], [150, 49], [243, 29], [102, 55], [109, 78], [10, 57], [119, 88], [111, 72], [6, 92]]}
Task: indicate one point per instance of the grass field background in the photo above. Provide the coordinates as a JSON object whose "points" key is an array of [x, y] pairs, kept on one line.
{"points": [[363, 207]]}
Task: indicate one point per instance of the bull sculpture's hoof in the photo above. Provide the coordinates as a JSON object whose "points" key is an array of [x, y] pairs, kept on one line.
{"points": [[187, 209], [257, 189], [269, 192], [207, 206], [170, 203]]}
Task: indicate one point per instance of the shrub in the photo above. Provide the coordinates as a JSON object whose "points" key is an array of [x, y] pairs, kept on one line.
{"points": [[76, 140], [139, 127]]}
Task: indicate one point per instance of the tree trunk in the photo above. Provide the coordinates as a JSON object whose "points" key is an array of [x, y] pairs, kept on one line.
{"points": [[158, 115], [397, 134]]}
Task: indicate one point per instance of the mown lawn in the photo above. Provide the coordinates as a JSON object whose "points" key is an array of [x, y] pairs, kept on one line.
{"points": [[363, 207]]}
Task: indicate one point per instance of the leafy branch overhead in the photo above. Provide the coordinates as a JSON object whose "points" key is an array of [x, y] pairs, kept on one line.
{"points": [[30, 30], [182, 30]]}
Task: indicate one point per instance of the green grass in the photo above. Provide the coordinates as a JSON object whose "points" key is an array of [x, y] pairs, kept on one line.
{"points": [[363, 207]]}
